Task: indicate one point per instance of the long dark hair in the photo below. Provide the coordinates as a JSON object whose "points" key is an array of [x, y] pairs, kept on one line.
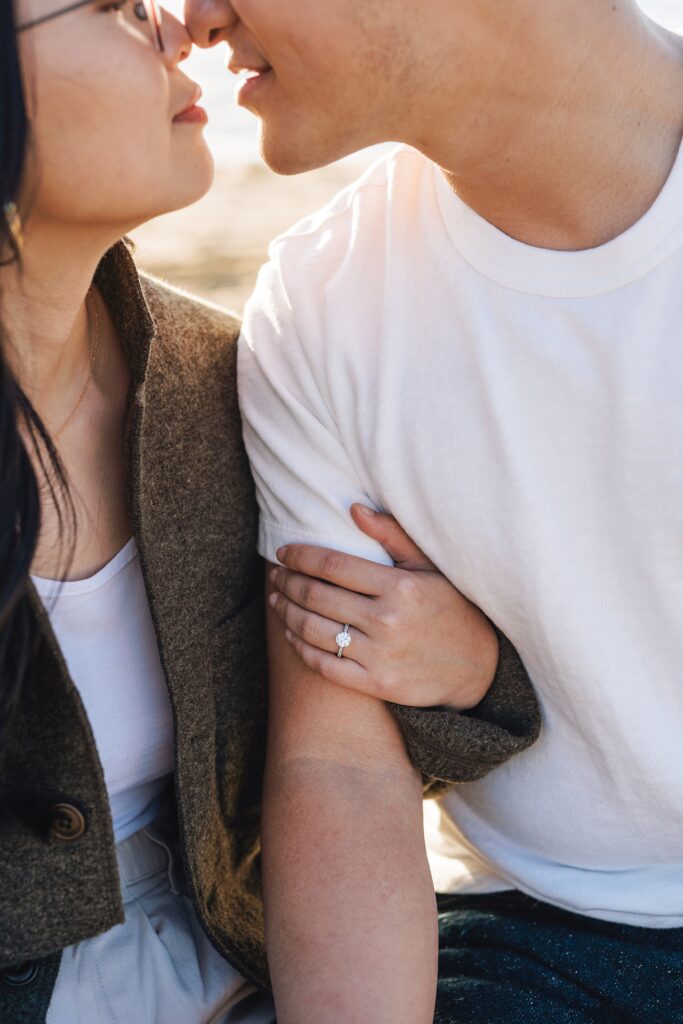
{"points": [[19, 484]]}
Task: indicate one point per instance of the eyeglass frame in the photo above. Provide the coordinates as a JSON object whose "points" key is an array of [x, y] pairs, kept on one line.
{"points": [[151, 9]]}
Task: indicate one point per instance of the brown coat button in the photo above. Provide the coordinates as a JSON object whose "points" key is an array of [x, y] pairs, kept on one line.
{"points": [[21, 974], [66, 822]]}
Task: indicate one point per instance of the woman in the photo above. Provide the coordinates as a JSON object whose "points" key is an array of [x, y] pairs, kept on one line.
{"points": [[132, 679]]}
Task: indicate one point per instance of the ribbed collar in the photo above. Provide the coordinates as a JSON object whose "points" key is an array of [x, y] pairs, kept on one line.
{"points": [[624, 259]]}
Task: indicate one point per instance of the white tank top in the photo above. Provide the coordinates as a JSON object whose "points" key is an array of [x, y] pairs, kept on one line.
{"points": [[105, 631]]}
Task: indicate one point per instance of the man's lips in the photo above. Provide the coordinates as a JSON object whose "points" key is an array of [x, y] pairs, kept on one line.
{"points": [[250, 70], [252, 78], [191, 113]]}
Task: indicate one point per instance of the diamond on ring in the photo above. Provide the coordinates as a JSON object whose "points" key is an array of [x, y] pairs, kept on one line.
{"points": [[343, 640]]}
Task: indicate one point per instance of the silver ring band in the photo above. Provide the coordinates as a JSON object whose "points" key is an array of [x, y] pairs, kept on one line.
{"points": [[343, 640]]}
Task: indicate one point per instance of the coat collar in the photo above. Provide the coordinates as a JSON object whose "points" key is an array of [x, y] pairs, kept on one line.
{"points": [[118, 280]]}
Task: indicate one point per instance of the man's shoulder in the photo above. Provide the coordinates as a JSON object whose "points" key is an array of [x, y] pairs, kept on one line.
{"points": [[355, 218], [319, 294]]}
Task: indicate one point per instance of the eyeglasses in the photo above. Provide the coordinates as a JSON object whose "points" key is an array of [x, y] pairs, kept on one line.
{"points": [[144, 10]]}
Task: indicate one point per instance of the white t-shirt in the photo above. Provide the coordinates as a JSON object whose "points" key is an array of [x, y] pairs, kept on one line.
{"points": [[105, 631], [520, 411]]}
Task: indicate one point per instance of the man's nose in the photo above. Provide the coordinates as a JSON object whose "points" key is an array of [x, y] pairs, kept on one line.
{"points": [[209, 21]]}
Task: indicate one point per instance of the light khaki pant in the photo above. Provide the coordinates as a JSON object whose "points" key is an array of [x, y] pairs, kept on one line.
{"points": [[158, 967]]}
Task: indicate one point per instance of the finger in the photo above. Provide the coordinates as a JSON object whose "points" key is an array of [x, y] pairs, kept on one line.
{"points": [[314, 629], [323, 598], [348, 571], [393, 538], [343, 671]]}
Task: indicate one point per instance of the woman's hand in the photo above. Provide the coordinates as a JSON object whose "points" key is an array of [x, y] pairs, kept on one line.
{"points": [[415, 639]]}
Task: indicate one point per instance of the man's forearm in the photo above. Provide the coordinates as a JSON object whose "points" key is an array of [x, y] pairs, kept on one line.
{"points": [[351, 922], [350, 909]]}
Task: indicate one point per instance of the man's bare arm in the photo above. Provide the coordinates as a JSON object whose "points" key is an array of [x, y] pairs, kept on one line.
{"points": [[350, 910]]}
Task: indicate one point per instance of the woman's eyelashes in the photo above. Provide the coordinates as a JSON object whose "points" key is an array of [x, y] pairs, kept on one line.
{"points": [[131, 8], [115, 6]]}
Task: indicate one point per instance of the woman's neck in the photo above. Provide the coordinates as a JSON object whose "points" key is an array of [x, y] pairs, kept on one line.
{"points": [[45, 317], [45, 311]]}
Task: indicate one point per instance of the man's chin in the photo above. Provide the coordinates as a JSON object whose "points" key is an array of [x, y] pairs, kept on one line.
{"points": [[290, 156]]}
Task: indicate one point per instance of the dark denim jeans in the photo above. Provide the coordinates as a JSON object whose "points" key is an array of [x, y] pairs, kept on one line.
{"points": [[507, 959]]}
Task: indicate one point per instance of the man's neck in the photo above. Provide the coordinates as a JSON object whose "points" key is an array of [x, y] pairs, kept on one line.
{"points": [[574, 148]]}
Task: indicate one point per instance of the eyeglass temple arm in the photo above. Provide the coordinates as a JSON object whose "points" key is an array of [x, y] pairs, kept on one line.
{"points": [[53, 14]]}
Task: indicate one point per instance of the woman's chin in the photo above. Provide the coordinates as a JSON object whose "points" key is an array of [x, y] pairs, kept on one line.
{"points": [[187, 185]]}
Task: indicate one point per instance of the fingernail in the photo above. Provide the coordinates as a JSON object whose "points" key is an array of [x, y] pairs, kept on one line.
{"points": [[367, 511], [281, 553], [272, 600], [288, 635], [272, 575]]}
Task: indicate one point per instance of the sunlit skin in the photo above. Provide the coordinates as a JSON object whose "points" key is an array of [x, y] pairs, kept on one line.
{"points": [[336, 71], [557, 148], [112, 145], [108, 153]]}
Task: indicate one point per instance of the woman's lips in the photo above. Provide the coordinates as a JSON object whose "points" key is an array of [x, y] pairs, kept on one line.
{"points": [[192, 113]]}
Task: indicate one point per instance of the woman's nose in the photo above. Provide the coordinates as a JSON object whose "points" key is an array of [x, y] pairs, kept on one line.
{"points": [[209, 21], [177, 42]]}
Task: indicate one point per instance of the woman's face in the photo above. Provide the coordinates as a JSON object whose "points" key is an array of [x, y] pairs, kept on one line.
{"points": [[115, 136]]}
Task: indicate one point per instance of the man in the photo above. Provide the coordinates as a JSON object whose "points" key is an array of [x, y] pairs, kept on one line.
{"points": [[484, 337]]}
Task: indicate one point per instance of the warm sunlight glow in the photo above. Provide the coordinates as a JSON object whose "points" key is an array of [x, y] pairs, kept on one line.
{"points": [[232, 132]]}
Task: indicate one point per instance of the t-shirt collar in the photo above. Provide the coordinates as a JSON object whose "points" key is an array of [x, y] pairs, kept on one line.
{"points": [[548, 272]]}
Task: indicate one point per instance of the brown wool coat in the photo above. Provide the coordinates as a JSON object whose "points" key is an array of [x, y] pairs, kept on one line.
{"points": [[194, 518]]}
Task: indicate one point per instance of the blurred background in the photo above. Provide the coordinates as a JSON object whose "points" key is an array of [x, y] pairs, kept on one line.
{"points": [[215, 247]]}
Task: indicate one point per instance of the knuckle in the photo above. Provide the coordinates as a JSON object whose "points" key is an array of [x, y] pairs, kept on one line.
{"points": [[311, 593], [309, 630], [386, 618], [332, 563], [407, 588]]}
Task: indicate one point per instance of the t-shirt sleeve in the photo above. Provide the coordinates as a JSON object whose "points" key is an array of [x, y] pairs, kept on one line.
{"points": [[306, 482], [305, 479]]}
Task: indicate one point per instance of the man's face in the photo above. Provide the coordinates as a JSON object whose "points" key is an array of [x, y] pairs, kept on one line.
{"points": [[331, 76]]}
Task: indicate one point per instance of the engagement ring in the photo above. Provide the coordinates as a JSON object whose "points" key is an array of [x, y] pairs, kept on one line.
{"points": [[343, 640]]}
